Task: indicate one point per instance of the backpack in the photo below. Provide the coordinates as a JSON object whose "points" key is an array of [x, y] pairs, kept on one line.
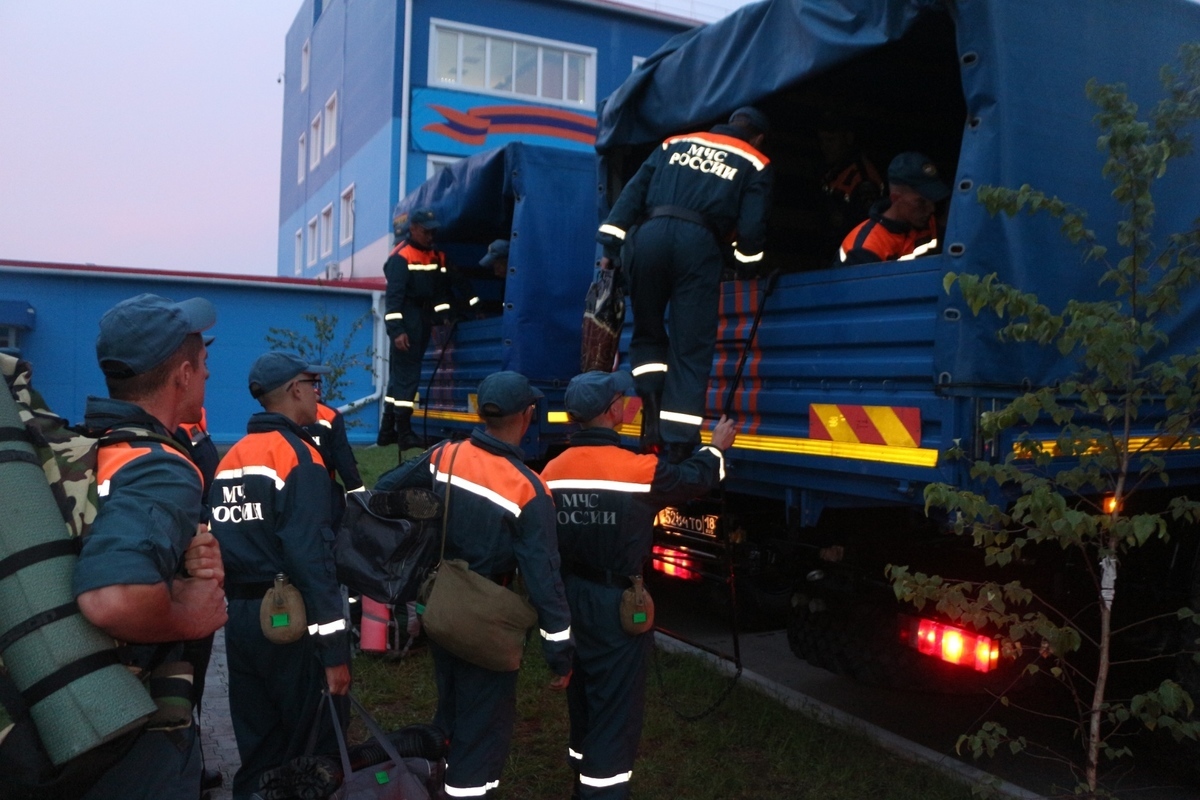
{"points": [[75, 717]]}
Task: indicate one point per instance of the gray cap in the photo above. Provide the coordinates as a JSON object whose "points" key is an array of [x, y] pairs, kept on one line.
{"points": [[274, 369], [496, 251], [138, 334], [916, 171], [591, 393], [504, 393]]}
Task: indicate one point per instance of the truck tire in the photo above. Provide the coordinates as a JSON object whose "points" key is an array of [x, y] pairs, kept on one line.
{"points": [[861, 640]]}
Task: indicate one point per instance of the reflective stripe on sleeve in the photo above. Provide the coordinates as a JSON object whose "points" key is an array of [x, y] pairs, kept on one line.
{"points": [[842, 254], [471, 791], [392, 317], [920, 251], [574, 755], [647, 368], [720, 457], [440, 307], [747, 259], [425, 267], [473, 301], [328, 628], [684, 419], [613, 230], [558, 636], [588, 780]]}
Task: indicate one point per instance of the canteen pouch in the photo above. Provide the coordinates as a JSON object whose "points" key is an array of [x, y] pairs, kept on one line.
{"points": [[637, 608], [281, 614]]}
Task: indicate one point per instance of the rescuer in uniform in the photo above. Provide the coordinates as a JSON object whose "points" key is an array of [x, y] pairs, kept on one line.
{"points": [[606, 499], [329, 434], [501, 518], [271, 513], [901, 226], [420, 286], [145, 575], [671, 225], [496, 259]]}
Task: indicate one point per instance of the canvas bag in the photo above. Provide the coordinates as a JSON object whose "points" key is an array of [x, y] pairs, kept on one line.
{"points": [[469, 615]]}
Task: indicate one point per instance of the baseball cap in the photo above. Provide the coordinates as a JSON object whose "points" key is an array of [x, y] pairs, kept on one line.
{"points": [[504, 393], [274, 369], [138, 334], [496, 251], [589, 394], [425, 218], [756, 118], [915, 170]]}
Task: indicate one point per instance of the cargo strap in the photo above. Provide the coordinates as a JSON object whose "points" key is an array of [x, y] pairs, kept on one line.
{"points": [[56, 680], [31, 624], [38, 552]]}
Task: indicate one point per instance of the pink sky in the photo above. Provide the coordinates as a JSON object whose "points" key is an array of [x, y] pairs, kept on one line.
{"points": [[146, 133]]}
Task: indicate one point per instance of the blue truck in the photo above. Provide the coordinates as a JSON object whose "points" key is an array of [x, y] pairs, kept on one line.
{"points": [[860, 380]]}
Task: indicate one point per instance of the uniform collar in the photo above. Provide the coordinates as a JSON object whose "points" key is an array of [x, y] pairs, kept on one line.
{"points": [[588, 437], [890, 225], [481, 438], [106, 413], [267, 421]]}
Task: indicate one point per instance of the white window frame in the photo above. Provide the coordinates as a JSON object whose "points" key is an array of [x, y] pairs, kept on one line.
{"points": [[302, 159], [327, 230], [305, 59], [312, 242], [331, 120], [298, 266], [314, 143], [346, 219], [435, 162], [589, 53]]}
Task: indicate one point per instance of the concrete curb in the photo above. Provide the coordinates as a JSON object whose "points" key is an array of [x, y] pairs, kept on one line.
{"points": [[825, 713]]}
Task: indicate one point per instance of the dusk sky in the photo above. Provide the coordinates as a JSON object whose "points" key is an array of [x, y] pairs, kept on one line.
{"points": [[144, 133]]}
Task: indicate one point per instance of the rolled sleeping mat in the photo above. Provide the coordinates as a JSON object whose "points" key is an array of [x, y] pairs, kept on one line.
{"points": [[67, 671]]}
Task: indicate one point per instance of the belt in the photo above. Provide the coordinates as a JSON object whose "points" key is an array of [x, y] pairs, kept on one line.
{"points": [[248, 591], [604, 577], [685, 214]]}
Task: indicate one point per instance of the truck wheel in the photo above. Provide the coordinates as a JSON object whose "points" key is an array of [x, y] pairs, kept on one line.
{"points": [[862, 641]]}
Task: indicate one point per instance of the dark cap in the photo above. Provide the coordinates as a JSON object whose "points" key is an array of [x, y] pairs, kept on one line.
{"points": [[274, 369], [504, 393], [757, 119], [916, 171], [138, 334], [425, 218], [591, 393], [496, 251]]}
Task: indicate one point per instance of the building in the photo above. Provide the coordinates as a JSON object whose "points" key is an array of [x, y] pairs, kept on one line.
{"points": [[380, 93]]}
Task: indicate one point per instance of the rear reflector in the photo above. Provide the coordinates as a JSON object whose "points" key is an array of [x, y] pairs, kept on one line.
{"points": [[676, 563], [953, 645]]}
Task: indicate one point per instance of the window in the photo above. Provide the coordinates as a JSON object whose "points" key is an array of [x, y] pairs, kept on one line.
{"points": [[8, 336], [501, 63], [302, 156], [331, 122], [435, 164], [305, 53], [312, 241], [298, 265], [346, 234], [327, 230], [314, 143]]}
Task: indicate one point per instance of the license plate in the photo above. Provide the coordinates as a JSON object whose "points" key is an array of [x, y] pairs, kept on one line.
{"points": [[672, 519]]}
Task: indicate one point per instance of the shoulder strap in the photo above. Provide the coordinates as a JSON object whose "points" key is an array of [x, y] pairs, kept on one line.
{"points": [[446, 503], [134, 435]]}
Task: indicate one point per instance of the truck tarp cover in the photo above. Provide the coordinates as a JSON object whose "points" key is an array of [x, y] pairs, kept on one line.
{"points": [[1028, 122], [532, 196]]}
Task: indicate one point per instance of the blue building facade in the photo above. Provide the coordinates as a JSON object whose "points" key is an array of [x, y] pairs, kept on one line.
{"points": [[379, 94]]}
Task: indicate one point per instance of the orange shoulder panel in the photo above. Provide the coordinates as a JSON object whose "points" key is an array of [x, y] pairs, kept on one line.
{"points": [[601, 464], [111, 458]]}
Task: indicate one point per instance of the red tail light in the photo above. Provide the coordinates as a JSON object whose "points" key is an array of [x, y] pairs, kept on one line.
{"points": [[955, 645], [676, 563]]}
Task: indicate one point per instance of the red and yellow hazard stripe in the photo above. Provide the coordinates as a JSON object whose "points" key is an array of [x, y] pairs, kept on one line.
{"points": [[893, 426]]}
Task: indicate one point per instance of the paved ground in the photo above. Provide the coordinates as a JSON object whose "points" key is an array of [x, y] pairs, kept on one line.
{"points": [[216, 727]]}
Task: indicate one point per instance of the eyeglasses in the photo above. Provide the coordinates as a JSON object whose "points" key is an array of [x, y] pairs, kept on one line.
{"points": [[316, 382]]}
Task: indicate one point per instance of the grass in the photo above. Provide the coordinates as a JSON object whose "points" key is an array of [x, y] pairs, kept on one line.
{"points": [[749, 748]]}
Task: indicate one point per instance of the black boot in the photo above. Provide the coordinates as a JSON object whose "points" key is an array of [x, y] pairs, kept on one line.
{"points": [[651, 440], [404, 432], [387, 427]]}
